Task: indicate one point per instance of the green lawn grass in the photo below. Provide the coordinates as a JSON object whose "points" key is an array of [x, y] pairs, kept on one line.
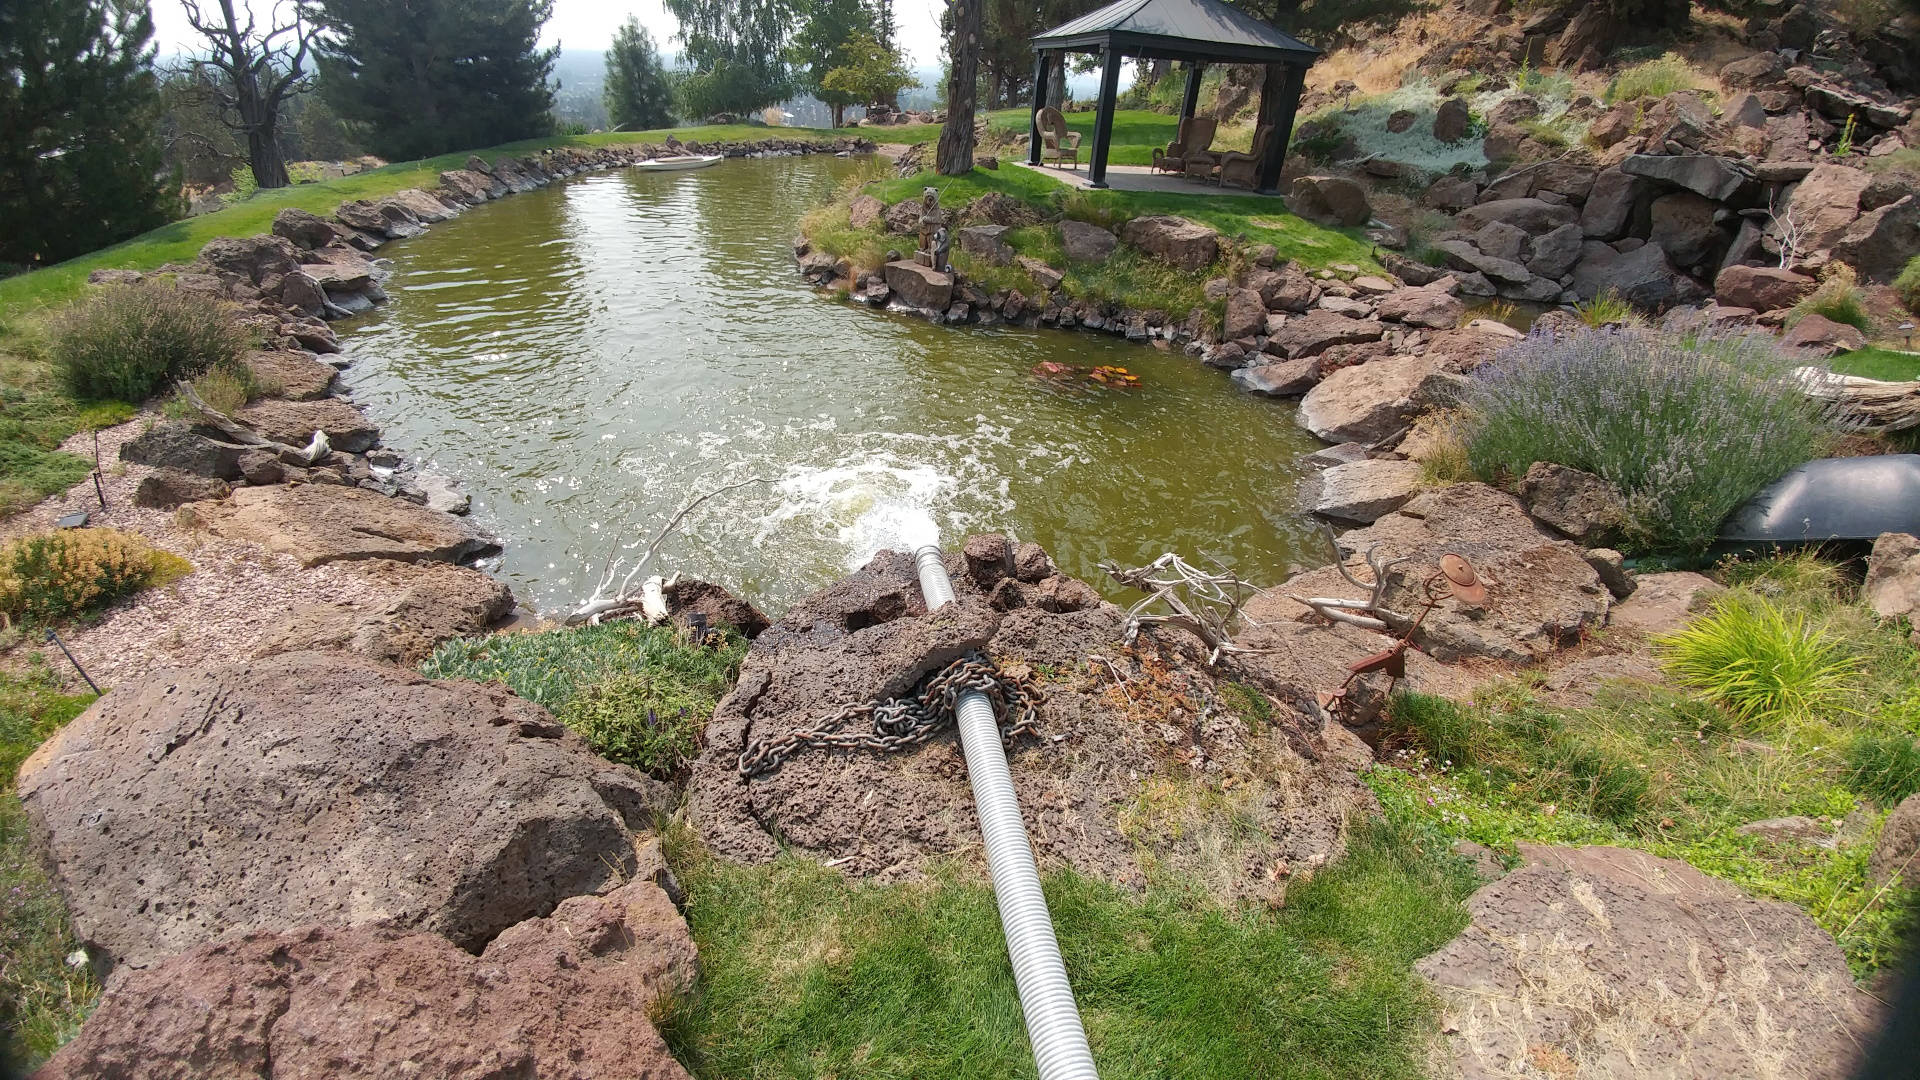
{"points": [[807, 974], [1890, 365], [42, 999]]}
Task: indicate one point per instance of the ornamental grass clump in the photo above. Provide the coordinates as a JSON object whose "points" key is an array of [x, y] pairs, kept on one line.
{"points": [[1760, 663], [1687, 428], [126, 342], [55, 575]]}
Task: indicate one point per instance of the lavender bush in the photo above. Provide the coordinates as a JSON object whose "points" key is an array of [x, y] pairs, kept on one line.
{"points": [[1687, 428]]}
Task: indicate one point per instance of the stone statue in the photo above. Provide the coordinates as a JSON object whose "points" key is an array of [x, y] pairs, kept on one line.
{"points": [[942, 244]]}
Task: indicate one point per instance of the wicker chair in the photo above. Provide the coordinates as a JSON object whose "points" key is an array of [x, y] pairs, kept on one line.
{"points": [[1196, 134], [1057, 142], [1243, 170]]}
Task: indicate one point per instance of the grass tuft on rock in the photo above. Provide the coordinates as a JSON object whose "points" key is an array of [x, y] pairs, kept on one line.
{"points": [[1763, 665], [1838, 298], [637, 694], [807, 974], [1655, 78], [43, 999]]}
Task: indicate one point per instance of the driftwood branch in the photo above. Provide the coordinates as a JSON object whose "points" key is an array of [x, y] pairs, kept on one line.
{"points": [[650, 599], [1204, 603], [316, 450], [1371, 613], [1864, 403]]}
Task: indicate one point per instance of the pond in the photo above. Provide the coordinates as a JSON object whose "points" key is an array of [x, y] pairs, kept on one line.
{"points": [[588, 357]]}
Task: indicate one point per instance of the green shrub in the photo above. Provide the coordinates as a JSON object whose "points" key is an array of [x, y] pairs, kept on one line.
{"points": [[1544, 132], [1884, 767], [636, 693], [128, 341], [1838, 298], [1687, 428], [61, 574], [1652, 79], [1606, 309], [1758, 662], [647, 719], [1907, 285]]}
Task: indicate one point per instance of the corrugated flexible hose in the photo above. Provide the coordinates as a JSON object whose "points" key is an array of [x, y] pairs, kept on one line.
{"points": [[1046, 999]]}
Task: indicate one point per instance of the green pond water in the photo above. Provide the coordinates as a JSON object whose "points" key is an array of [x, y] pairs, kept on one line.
{"points": [[587, 357]]}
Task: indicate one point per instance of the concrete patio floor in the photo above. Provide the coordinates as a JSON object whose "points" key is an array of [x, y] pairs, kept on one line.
{"points": [[1136, 178]]}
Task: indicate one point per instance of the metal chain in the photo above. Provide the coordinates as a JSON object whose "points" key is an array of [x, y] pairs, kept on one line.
{"points": [[901, 723]]}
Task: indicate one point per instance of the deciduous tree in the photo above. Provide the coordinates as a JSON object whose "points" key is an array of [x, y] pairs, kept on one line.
{"points": [[249, 73], [79, 163], [638, 94], [738, 52], [871, 74], [821, 46], [428, 76]]}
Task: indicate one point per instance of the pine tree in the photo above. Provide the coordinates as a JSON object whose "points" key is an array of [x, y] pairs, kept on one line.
{"points": [[637, 91], [429, 76], [78, 108]]}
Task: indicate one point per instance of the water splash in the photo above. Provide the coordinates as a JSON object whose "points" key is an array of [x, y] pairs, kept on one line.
{"points": [[874, 503]]}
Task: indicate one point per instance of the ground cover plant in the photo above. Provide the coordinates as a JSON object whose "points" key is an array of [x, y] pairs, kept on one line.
{"points": [[1675, 770], [807, 974], [638, 694], [1687, 428], [57, 575], [43, 999]]}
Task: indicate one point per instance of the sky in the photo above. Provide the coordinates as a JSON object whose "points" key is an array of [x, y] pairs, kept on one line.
{"points": [[589, 24]]}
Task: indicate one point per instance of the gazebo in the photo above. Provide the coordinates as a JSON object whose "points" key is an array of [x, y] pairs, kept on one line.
{"points": [[1198, 32]]}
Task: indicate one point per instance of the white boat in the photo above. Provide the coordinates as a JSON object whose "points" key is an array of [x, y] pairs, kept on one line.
{"points": [[678, 162]]}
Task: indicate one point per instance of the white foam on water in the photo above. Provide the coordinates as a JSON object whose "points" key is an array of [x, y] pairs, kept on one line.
{"points": [[873, 503]]}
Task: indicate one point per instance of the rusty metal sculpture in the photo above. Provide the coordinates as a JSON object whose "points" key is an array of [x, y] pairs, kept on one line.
{"points": [[1454, 578]]}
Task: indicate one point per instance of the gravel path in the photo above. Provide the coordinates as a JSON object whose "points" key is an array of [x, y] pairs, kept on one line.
{"points": [[238, 590]]}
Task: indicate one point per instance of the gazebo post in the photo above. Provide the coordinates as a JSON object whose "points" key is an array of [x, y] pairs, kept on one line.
{"points": [[1192, 100], [1275, 159], [1041, 65], [1103, 122]]}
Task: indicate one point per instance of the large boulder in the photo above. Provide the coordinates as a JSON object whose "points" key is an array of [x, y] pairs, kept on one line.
{"points": [[920, 286], [322, 523], [1608, 211], [1533, 216], [251, 257], [1246, 315], [1084, 242], [1463, 255], [304, 228], [174, 445], [1317, 331], [865, 211], [1817, 333], [417, 606], [1881, 242], [294, 422], [1452, 120], [1287, 378], [291, 374], [1368, 402], [1612, 961], [1825, 203], [989, 242], [1554, 254], [1186, 245], [568, 995], [421, 205], [1643, 277], [1578, 504], [1541, 592], [869, 637], [1432, 306], [1330, 200], [1761, 288], [268, 794], [1716, 178], [1684, 226], [169, 489], [1663, 602], [1363, 491], [1892, 588]]}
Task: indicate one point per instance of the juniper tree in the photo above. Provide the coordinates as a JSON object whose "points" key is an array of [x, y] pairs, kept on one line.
{"points": [[638, 94], [79, 163]]}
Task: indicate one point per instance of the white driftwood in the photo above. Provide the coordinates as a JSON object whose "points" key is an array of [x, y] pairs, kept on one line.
{"points": [[653, 600], [1868, 403], [1377, 615], [1207, 604], [623, 599], [316, 450]]}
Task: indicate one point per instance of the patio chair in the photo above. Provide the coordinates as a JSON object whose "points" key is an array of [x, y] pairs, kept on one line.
{"points": [[1243, 170], [1057, 142], [1195, 135]]}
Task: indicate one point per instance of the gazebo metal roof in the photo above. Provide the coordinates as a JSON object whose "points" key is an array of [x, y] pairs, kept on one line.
{"points": [[1204, 30]]}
